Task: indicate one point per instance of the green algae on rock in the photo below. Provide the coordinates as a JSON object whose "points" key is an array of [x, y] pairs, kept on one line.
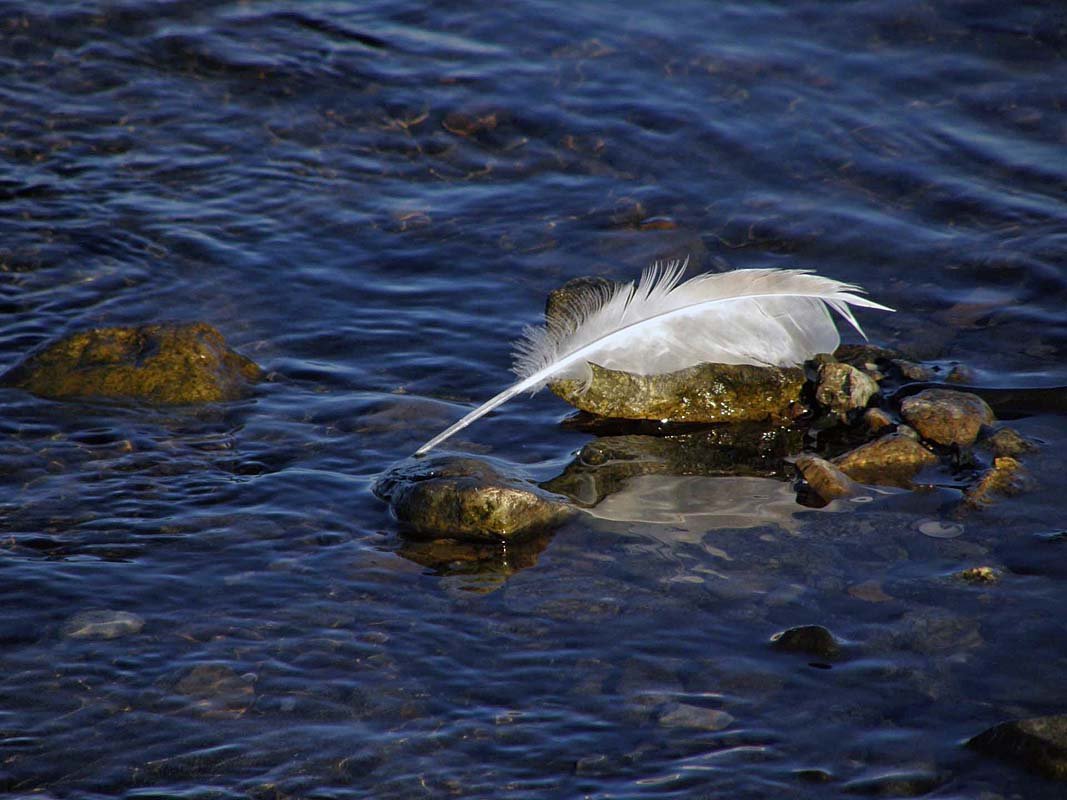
{"points": [[468, 498], [163, 364]]}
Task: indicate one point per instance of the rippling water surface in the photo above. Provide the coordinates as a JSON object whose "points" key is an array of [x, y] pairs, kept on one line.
{"points": [[371, 200]]}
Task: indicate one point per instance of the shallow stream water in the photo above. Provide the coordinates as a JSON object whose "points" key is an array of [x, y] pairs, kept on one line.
{"points": [[371, 200]]}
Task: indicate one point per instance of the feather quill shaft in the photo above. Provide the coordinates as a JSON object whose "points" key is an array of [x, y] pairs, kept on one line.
{"points": [[769, 317]]}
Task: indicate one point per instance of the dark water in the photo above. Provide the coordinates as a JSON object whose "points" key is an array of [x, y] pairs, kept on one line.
{"points": [[371, 200]]}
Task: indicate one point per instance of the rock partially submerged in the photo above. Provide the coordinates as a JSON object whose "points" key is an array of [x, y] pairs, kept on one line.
{"points": [[843, 389], [164, 364], [704, 393], [469, 498], [814, 640], [892, 460], [947, 417], [1008, 477], [1039, 744], [825, 478]]}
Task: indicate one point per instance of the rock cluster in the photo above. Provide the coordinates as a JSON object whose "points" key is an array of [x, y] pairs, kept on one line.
{"points": [[833, 425]]}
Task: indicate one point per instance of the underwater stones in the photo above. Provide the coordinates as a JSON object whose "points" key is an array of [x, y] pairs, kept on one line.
{"points": [[703, 393], [1008, 442], [892, 460], [813, 640], [842, 389], [1038, 744], [825, 478], [468, 498], [605, 464], [102, 624], [216, 690], [167, 363], [685, 715], [1006, 478], [947, 417]]}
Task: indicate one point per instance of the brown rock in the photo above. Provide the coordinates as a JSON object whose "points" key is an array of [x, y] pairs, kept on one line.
{"points": [[842, 388], [824, 478], [814, 640], [893, 460], [877, 421], [1039, 744], [468, 498], [1007, 478], [704, 393], [168, 363], [947, 417], [1008, 442]]}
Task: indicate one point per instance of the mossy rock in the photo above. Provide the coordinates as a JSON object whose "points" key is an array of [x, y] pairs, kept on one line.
{"points": [[162, 364], [704, 393], [469, 498]]}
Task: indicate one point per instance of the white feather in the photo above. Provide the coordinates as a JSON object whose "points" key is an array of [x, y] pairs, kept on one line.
{"points": [[769, 317]]}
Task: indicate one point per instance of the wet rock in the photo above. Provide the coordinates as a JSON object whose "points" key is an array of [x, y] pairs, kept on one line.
{"points": [[1007, 478], [892, 460], [703, 393], [169, 363], [947, 417], [911, 371], [907, 784], [216, 690], [683, 715], [867, 357], [1039, 744], [470, 498], [877, 421], [605, 464], [813, 640], [1008, 442], [102, 624], [825, 479], [843, 389], [979, 575]]}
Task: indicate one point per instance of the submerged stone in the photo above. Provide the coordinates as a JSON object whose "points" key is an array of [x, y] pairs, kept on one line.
{"points": [[813, 640], [892, 460], [469, 498], [1039, 744], [102, 624], [605, 464], [947, 417], [1008, 442], [1007, 478], [165, 364]]}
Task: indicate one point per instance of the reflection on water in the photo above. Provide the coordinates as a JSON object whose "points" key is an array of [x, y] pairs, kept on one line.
{"points": [[371, 200], [699, 504]]}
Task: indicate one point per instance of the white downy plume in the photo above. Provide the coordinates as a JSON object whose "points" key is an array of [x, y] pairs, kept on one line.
{"points": [[768, 317]]}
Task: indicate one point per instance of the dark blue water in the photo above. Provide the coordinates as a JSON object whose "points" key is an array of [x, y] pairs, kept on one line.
{"points": [[371, 200]]}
